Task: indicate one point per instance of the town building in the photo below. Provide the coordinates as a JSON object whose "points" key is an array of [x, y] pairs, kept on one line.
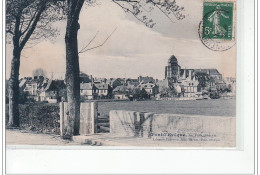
{"points": [[114, 82], [88, 91], [146, 79], [162, 85], [100, 80], [192, 81], [53, 92], [150, 88], [231, 84], [32, 86], [131, 81], [190, 86], [174, 72], [220, 84], [103, 90], [213, 73], [121, 92]]}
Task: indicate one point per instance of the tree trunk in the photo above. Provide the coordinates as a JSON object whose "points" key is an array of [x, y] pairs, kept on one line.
{"points": [[14, 89], [72, 69], [72, 82]]}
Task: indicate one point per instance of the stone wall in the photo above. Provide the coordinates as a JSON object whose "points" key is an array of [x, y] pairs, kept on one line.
{"points": [[173, 127], [127, 123], [88, 118]]}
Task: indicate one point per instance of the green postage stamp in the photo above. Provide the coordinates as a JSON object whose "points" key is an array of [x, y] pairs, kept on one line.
{"points": [[217, 20]]}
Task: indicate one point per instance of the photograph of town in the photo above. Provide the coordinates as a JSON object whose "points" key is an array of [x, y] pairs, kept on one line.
{"points": [[120, 73]]}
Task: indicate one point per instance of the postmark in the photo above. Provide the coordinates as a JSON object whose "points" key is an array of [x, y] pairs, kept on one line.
{"points": [[216, 30]]}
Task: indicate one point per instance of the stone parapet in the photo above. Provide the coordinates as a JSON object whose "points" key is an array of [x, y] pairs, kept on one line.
{"points": [[173, 127]]}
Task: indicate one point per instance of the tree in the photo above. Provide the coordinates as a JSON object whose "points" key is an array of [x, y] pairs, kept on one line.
{"points": [[165, 91], [26, 20], [203, 78], [168, 91], [84, 78], [144, 95], [138, 9], [39, 72], [72, 68]]}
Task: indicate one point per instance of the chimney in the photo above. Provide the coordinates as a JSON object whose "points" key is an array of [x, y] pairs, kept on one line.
{"points": [[91, 79], [178, 72], [41, 78], [184, 74], [189, 75]]}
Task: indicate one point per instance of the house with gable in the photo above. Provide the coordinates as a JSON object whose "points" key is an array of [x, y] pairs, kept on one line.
{"points": [[114, 82], [32, 86], [190, 85], [103, 90], [146, 79], [150, 88], [121, 92], [54, 91], [131, 81], [88, 91]]}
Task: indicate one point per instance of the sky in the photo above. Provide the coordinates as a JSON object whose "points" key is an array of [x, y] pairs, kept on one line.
{"points": [[132, 50]]}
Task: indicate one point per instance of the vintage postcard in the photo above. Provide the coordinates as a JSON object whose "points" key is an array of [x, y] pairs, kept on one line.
{"points": [[145, 73]]}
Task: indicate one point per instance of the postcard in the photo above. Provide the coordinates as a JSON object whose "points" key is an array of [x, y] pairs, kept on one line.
{"points": [[125, 73]]}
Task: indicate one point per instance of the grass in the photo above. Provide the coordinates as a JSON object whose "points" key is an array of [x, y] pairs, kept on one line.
{"points": [[217, 107]]}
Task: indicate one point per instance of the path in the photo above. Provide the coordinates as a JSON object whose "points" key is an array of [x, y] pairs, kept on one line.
{"points": [[22, 137]]}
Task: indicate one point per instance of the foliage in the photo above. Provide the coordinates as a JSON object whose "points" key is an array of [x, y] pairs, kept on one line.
{"points": [[39, 117], [84, 78], [214, 95], [30, 20], [203, 78], [26, 20], [168, 92], [39, 72], [139, 94], [144, 95]]}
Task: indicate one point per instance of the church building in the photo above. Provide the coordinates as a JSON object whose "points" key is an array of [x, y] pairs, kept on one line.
{"points": [[174, 72], [186, 79]]}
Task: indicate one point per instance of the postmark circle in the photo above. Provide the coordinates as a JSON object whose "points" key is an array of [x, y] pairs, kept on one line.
{"points": [[215, 43]]}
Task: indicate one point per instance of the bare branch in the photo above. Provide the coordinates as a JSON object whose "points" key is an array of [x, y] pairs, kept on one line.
{"points": [[100, 45], [89, 42], [9, 31], [30, 22], [34, 24], [27, 11]]}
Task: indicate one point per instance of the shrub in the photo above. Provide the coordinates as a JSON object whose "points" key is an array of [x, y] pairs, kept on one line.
{"points": [[39, 117]]}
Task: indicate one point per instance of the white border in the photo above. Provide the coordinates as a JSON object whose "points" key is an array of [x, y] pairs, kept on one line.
{"points": [[241, 161], [2, 87]]}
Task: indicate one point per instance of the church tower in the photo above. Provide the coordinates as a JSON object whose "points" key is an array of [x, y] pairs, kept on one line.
{"points": [[172, 70]]}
